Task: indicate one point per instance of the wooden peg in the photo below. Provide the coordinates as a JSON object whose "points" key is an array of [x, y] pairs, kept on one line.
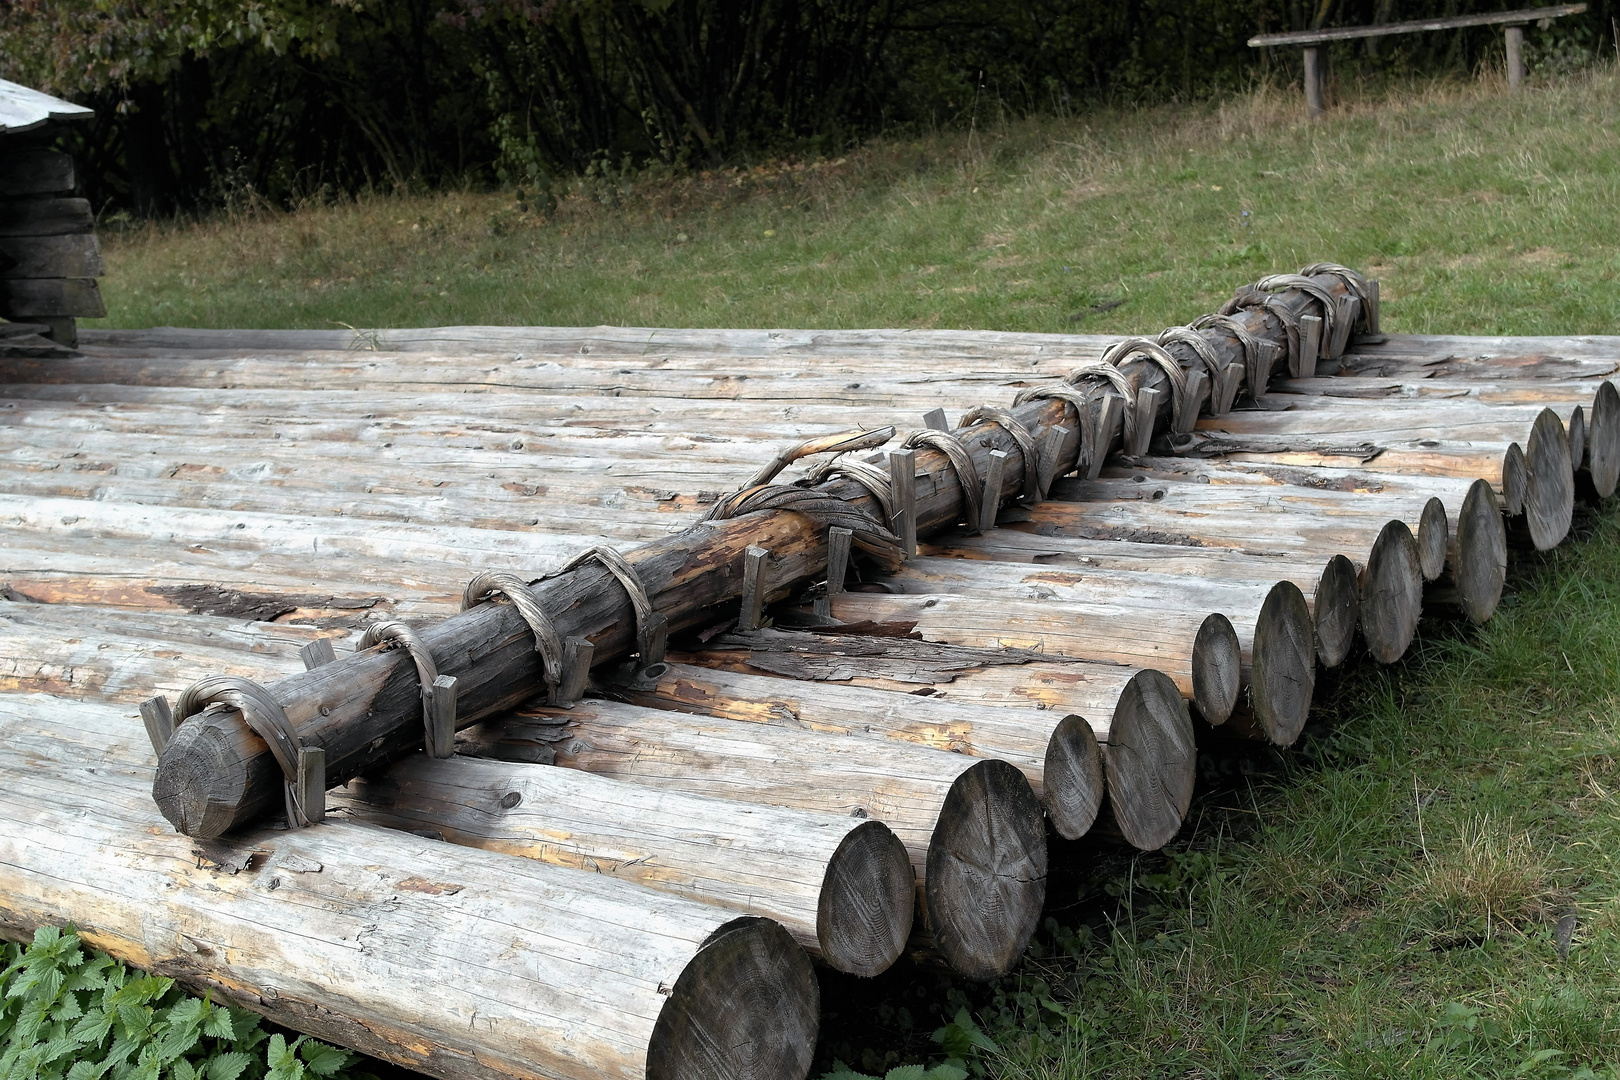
{"points": [[159, 721], [935, 420], [657, 643], [577, 653], [1102, 433], [1372, 307], [1310, 346], [1187, 415], [1051, 447], [1226, 389], [441, 717], [838, 542], [1344, 320], [317, 653], [990, 505], [311, 783], [753, 590], [903, 481], [1147, 410]]}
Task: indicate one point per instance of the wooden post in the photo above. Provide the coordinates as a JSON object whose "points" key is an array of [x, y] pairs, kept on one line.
{"points": [[1310, 346], [317, 653], [936, 420], [903, 480], [1513, 37], [1313, 81], [990, 504], [158, 718], [753, 590]]}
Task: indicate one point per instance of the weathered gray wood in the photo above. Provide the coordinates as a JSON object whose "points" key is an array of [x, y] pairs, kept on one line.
{"points": [[1479, 577], [539, 972], [1146, 761], [1433, 539], [1217, 673], [1336, 610], [35, 171], [1313, 81], [46, 217], [843, 887], [1283, 675], [51, 297], [1513, 40], [1549, 490], [1453, 22], [972, 826], [72, 256], [1603, 439], [1392, 593]]}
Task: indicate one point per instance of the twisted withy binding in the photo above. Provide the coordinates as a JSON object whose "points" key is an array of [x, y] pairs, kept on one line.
{"points": [[870, 535], [988, 414], [547, 642], [967, 477], [640, 602], [390, 634], [268, 720]]}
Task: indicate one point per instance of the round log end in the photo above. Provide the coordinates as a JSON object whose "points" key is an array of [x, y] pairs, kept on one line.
{"points": [[1514, 480], [986, 871], [1282, 673], [1072, 783], [1150, 761], [1392, 594], [1480, 560], [1549, 492], [1577, 439], [1338, 610], [202, 780], [868, 897], [1217, 669], [1433, 539], [747, 1007], [1603, 440]]}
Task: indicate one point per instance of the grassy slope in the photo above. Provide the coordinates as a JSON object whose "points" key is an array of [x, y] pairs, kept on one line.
{"points": [[1482, 213], [1382, 902]]}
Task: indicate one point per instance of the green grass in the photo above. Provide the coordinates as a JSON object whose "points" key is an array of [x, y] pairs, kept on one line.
{"points": [[1383, 901], [1482, 212]]}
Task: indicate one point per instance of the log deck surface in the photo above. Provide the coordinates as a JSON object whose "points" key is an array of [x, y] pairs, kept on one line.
{"points": [[178, 503]]}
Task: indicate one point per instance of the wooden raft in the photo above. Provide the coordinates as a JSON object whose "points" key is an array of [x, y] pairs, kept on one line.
{"points": [[841, 766]]}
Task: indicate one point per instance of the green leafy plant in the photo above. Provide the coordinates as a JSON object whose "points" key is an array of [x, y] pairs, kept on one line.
{"points": [[71, 1014]]}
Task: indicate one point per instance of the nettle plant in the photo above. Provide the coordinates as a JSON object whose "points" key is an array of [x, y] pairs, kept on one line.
{"points": [[71, 1014]]}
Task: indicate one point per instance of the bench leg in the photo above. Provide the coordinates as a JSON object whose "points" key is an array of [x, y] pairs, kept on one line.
{"points": [[1515, 55], [1313, 81]]}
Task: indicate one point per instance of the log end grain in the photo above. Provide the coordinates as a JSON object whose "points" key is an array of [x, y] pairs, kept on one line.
{"points": [[1072, 783], [1282, 674], [1577, 439], [1603, 440], [868, 897], [1150, 761], [1392, 593], [1479, 559], [1338, 611], [1433, 539], [204, 776], [1217, 669], [985, 880], [747, 1007], [1514, 480], [1549, 493]]}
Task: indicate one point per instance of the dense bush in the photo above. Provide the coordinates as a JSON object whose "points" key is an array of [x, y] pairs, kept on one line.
{"points": [[205, 101]]}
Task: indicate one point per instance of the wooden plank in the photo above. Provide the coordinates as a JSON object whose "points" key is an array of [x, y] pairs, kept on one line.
{"points": [[22, 108], [1455, 22], [46, 217], [71, 256], [31, 171], [52, 297], [540, 972]]}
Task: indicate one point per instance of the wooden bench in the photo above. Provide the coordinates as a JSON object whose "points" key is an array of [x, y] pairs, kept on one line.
{"points": [[1513, 23]]}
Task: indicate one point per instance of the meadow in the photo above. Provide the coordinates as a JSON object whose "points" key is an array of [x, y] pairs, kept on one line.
{"points": [[1428, 884]]}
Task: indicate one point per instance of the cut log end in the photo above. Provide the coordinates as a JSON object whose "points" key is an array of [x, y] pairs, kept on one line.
{"points": [[1603, 440], [1577, 439], [1392, 593], [1217, 669], [1549, 493], [1479, 561], [1282, 674], [1072, 781], [986, 870], [868, 897], [747, 1007], [1150, 761], [1433, 539], [1338, 610], [1514, 480], [202, 779]]}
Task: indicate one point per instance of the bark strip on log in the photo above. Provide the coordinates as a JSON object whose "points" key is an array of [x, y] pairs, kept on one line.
{"points": [[843, 887], [541, 973]]}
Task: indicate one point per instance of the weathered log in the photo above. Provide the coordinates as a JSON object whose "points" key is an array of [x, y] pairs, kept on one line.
{"points": [[35, 171], [1603, 439], [1283, 672], [843, 887], [1392, 593], [539, 972], [1549, 490], [46, 217], [51, 297], [216, 775], [76, 256], [1120, 705], [971, 826]]}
